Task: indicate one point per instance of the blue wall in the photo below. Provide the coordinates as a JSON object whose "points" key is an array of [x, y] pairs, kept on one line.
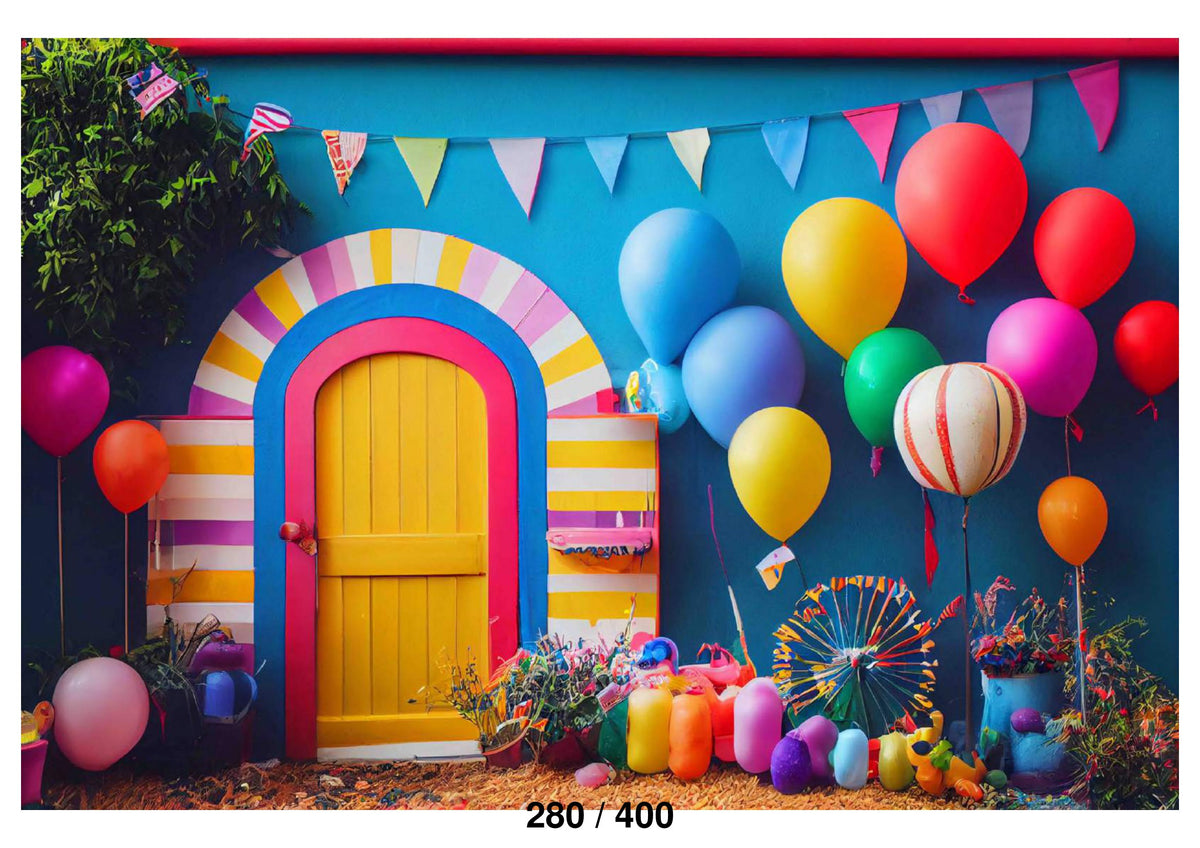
{"points": [[573, 241]]}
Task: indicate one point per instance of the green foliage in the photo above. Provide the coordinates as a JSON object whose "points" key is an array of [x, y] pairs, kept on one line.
{"points": [[1128, 750], [119, 212]]}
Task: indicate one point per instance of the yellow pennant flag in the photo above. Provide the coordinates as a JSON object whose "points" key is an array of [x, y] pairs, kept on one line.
{"points": [[691, 146], [423, 156]]}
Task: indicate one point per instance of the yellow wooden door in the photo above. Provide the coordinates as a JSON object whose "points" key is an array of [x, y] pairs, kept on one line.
{"points": [[401, 479]]}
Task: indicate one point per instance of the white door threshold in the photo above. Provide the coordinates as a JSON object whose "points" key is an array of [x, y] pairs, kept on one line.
{"points": [[455, 751]]}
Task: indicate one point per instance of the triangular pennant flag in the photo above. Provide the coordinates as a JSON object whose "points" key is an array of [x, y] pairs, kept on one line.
{"points": [[151, 86], [266, 118], [1011, 108], [1099, 91], [423, 156], [345, 150], [770, 568], [942, 109], [876, 126], [787, 141], [607, 152], [521, 161], [691, 146]]}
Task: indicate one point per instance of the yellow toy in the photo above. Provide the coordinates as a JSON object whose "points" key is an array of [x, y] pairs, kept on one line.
{"points": [[936, 768], [895, 770], [647, 731]]}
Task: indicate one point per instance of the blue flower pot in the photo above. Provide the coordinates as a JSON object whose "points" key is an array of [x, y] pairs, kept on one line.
{"points": [[1002, 696]]}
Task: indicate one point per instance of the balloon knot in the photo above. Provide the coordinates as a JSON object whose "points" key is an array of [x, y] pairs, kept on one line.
{"points": [[1076, 430], [876, 461], [963, 297], [1150, 406]]}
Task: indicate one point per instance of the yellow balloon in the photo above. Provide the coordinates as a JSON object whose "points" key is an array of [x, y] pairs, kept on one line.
{"points": [[844, 264], [779, 460]]}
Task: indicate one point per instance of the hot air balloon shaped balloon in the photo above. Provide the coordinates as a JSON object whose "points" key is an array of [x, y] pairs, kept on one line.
{"points": [[959, 429]]}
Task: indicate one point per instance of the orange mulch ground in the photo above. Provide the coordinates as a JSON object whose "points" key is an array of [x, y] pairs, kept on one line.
{"points": [[425, 785]]}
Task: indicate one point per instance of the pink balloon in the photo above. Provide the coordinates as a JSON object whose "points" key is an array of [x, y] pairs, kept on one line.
{"points": [[1049, 348], [100, 710], [757, 724], [64, 393]]}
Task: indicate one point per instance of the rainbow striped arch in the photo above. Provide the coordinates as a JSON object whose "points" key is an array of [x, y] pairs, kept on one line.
{"points": [[959, 427], [577, 381]]}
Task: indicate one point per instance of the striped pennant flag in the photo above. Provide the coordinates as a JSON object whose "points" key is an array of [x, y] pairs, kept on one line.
{"points": [[345, 152], [266, 118]]}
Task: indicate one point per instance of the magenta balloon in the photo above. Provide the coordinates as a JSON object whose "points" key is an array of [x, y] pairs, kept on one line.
{"points": [[64, 393], [100, 712], [1049, 348]]}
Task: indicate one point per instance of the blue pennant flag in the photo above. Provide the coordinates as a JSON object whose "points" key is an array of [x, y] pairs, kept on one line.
{"points": [[787, 141], [607, 152]]}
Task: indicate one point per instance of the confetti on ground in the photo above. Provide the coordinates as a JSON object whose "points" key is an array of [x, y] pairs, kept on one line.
{"points": [[425, 785]]}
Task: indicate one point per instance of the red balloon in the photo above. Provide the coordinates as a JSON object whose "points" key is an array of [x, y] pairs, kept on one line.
{"points": [[1083, 244], [1147, 346], [131, 463], [960, 198]]}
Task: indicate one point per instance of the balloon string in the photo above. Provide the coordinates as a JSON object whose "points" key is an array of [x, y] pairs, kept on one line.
{"points": [[737, 616], [1067, 441], [62, 616], [127, 584], [967, 743], [1151, 406], [1081, 646]]}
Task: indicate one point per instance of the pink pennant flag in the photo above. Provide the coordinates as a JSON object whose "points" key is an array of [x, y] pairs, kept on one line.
{"points": [[876, 126], [1011, 108], [521, 161], [1099, 91]]}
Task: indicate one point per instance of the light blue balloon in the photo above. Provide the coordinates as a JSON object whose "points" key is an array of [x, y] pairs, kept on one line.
{"points": [[743, 360], [663, 387], [678, 268], [851, 758]]}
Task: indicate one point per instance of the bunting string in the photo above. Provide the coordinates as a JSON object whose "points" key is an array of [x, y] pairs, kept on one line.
{"points": [[722, 128]]}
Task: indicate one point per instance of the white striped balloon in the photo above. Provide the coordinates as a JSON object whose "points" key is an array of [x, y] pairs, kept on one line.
{"points": [[959, 427]]}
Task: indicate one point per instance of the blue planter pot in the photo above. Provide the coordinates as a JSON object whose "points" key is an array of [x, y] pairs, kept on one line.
{"points": [[1002, 696]]}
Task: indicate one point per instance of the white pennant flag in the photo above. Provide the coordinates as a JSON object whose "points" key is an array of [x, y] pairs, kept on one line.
{"points": [[691, 146], [942, 109], [521, 161]]}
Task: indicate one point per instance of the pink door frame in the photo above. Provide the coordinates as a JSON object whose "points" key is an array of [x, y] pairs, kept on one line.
{"points": [[390, 335]]}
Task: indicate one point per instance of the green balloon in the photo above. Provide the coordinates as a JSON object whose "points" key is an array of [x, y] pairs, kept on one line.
{"points": [[877, 371]]}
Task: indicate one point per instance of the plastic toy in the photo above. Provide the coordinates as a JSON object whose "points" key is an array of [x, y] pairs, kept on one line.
{"points": [[968, 789], [220, 653], [791, 765], [821, 735], [936, 766], [648, 729], [613, 735], [722, 724], [895, 770], [851, 759], [596, 774], [690, 736], [722, 669], [1027, 720], [757, 724]]}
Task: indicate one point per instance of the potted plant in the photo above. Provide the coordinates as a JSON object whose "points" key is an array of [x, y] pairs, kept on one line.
{"points": [[1022, 656]]}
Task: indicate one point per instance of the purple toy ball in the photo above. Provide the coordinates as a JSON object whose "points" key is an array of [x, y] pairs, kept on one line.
{"points": [[1027, 720], [820, 735], [791, 768]]}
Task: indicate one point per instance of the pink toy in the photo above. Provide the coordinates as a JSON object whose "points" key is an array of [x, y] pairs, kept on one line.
{"points": [[596, 774], [100, 712], [722, 669], [821, 735], [220, 653], [757, 724]]}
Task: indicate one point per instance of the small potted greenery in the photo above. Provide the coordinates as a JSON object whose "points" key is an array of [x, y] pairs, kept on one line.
{"points": [[1021, 655]]}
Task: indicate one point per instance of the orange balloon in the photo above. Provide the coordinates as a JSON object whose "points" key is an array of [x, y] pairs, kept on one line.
{"points": [[1073, 515], [131, 464]]}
